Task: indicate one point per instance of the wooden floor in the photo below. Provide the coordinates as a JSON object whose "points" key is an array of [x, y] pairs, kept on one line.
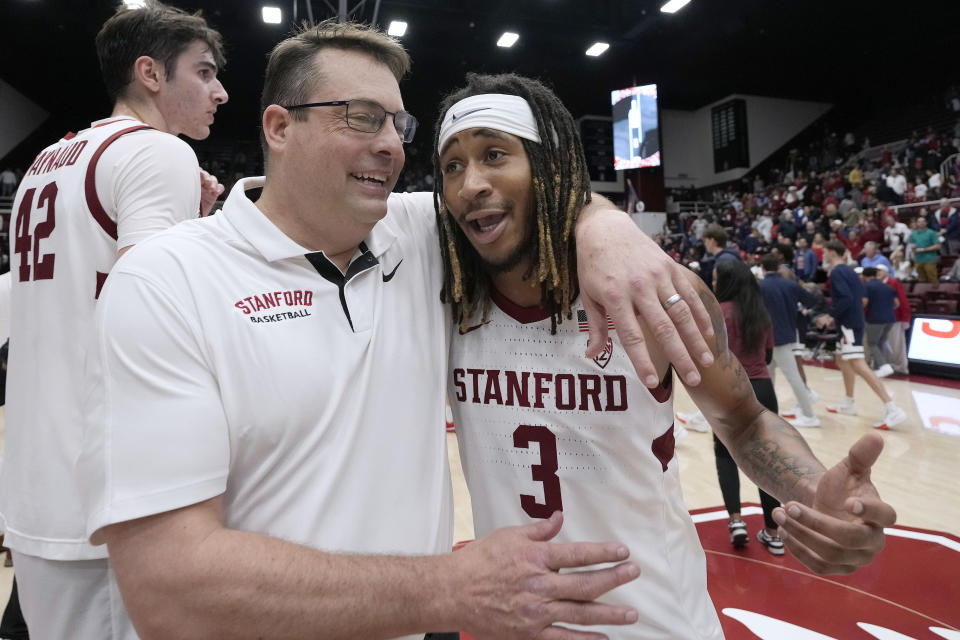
{"points": [[918, 472]]}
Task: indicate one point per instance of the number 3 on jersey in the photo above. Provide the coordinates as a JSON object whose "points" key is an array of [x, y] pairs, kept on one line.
{"points": [[25, 243], [545, 472]]}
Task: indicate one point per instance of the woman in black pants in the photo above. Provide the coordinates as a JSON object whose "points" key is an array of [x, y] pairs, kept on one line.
{"points": [[750, 339]]}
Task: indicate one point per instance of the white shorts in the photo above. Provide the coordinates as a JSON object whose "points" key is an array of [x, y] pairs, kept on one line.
{"points": [[76, 599], [851, 343]]}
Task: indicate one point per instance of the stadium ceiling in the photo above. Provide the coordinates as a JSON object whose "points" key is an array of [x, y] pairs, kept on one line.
{"points": [[814, 49]]}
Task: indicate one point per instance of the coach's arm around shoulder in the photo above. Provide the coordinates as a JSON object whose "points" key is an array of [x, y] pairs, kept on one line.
{"points": [[832, 520], [183, 574], [625, 275]]}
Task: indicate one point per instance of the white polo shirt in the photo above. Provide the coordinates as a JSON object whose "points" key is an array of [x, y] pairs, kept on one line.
{"points": [[226, 362]]}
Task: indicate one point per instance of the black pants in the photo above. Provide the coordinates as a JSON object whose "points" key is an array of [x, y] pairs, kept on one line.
{"points": [[442, 636], [727, 469], [12, 626]]}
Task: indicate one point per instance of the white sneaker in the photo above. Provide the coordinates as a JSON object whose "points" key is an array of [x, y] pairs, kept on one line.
{"points": [[883, 371], [805, 422], [774, 544], [738, 533], [814, 396], [791, 414], [845, 408], [694, 421], [892, 416]]}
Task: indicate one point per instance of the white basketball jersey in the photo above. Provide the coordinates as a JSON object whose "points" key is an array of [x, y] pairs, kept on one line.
{"points": [[542, 428], [63, 242]]}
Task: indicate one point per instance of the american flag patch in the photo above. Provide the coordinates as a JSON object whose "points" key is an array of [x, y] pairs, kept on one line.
{"points": [[585, 327]]}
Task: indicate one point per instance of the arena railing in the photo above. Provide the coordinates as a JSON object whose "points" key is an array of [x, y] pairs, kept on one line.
{"points": [[695, 207], [874, 152], [906, 211], [949, 166]]}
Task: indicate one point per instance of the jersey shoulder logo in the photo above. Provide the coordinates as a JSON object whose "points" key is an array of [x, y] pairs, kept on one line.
{"points": [[584, 326], [604, 358]]}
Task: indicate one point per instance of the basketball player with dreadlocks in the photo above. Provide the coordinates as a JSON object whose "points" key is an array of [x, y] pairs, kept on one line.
{"points": [[542, 428]]}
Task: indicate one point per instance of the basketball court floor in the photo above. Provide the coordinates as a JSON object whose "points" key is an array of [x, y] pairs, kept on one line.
{"points": [[912, 589]]}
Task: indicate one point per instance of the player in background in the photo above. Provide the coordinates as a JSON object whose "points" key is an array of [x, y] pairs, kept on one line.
{"points": [[85, 200], [542, 428], [847, 316]]}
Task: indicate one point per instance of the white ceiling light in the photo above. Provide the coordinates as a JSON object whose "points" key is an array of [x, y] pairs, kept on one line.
{"points": [[135, 4], [272, 15], [597, 48], [397, 28], [674, 5], [508, 39]]}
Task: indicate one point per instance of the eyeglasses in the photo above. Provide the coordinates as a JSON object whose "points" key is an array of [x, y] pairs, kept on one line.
{"points": [[368, 116]]}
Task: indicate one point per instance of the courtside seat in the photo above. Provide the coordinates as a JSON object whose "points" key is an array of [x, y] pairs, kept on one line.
{"points": [[944, 307], [946, 263], [922, 290], [947, 290]]}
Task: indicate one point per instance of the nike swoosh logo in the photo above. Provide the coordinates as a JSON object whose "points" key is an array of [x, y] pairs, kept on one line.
{"points": [[473, 328], [387, 277], [458, 116]]}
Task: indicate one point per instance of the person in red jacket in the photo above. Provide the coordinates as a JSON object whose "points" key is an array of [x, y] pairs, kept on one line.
{"points": [[897, 338]]}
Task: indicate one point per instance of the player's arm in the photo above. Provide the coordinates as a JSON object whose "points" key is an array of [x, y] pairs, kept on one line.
{"points": [[807, 298], [765, 446], [832, 519], [841, 297], [626, 275], [183, 574], [153, 181]]}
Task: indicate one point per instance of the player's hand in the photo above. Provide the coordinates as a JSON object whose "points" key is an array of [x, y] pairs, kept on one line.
{"points": [[210, 190], [625, 274], [843, 529], [511, 587]]}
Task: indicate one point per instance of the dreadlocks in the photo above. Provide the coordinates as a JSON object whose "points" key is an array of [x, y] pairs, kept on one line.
{"points": [[561, 186]]}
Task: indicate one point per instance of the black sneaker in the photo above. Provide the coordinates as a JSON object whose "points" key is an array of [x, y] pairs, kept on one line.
{"points": [[773, 543], [738, 533]]}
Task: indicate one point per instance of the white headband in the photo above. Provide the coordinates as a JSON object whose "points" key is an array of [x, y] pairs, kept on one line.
{"points": [[498, 111]]}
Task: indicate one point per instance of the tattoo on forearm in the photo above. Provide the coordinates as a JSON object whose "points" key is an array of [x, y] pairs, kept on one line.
{"points": [[771, 450], [775, 451]]}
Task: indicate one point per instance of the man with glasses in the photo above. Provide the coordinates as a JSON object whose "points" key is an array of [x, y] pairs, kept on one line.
{"points": [[267, 397], [368, 116]]}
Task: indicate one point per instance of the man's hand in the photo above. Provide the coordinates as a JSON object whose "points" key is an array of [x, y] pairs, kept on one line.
{"points": [[512, 587], [210, 190], [624, 274], [843, 529]]}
